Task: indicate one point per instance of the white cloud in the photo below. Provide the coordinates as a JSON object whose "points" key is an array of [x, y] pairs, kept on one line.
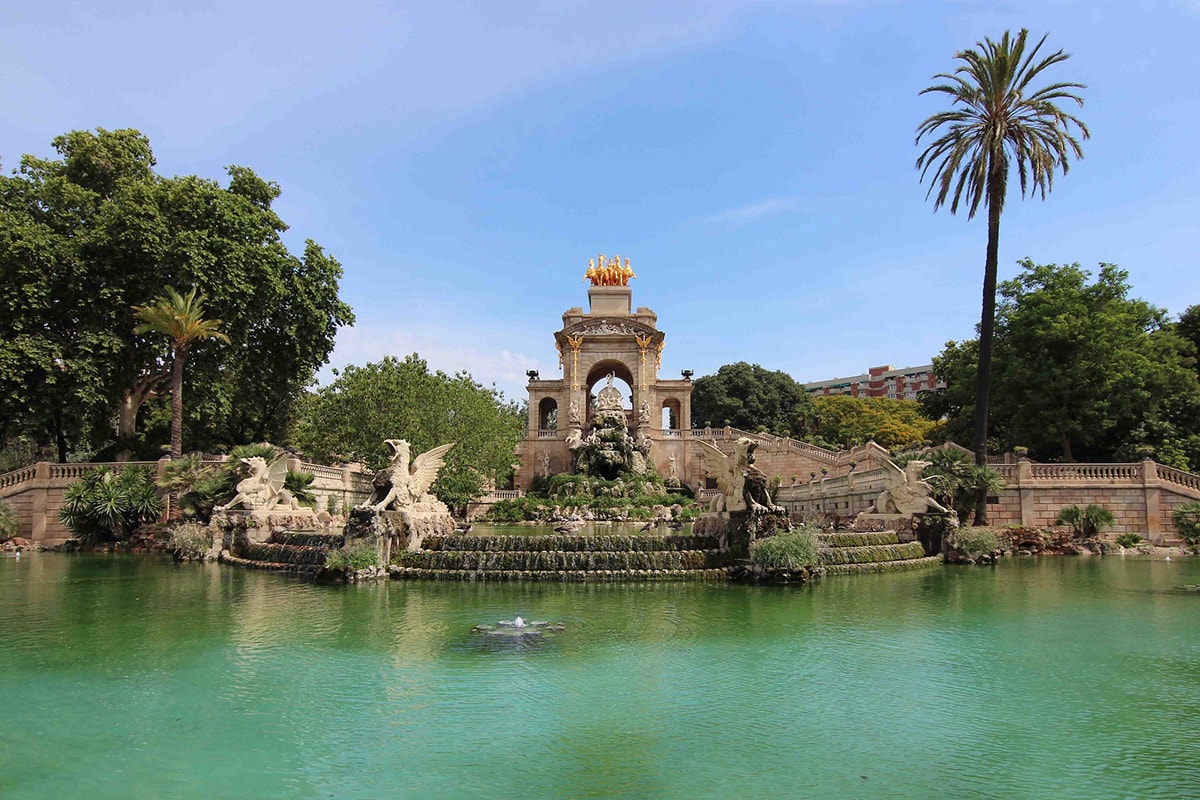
{"points": [[752, 212]]}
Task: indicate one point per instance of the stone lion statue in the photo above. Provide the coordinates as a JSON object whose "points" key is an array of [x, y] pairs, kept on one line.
{"points": [[263, 490], [743, 486], [399, 486], [905, 491]]}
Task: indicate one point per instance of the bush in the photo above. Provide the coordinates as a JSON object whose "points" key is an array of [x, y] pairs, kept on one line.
{"points": [[786, 551], [1129, 540], [972, 542], [191, 540], [106, 506], [8, 522], [1187, 521], [1087, 521], [299, 483], [359, 555]]}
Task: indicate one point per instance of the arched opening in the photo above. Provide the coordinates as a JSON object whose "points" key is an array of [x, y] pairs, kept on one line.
{"points": [[548, 414], [597, 379], [671, 414]]}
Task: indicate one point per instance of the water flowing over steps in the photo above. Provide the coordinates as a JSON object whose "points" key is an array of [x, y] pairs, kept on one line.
{"points": [[565, 558], [569, 558], [288, 551], [847, 553]]}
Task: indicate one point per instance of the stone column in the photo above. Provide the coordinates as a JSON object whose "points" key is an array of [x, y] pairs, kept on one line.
{"points": [[41, 486], [1153, 510], [1025, 491]]}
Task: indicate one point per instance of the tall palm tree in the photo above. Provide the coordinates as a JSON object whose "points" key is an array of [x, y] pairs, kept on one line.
{"points": [[181, 318], [996, 120]]}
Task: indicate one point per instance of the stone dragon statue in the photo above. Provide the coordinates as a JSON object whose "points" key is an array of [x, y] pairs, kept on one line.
{"points": [[905, 492], [743, 486], [399, 486], [263, 490]]}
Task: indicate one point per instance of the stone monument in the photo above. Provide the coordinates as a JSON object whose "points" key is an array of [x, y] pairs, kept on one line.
{"points": [[265, 503], [743, 511], [400, 511]]}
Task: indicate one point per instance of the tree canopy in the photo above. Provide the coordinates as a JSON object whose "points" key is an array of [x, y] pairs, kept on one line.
{"points": [[751, 397], [840, 422], [349, 420], [87, 236], [1083, 371]]}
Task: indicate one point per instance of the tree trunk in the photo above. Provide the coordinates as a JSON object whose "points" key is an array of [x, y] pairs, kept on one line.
{"points": [[145, 387], [177, 402], [987, 327], [1066, 445]]}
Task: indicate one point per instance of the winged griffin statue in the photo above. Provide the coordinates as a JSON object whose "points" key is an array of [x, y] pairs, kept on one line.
{"points": [[905, 492], [263, 490], [743, 486], [399, 486]]}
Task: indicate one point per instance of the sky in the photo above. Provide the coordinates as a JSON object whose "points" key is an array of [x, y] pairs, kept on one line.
{"points": [[754, 160]]}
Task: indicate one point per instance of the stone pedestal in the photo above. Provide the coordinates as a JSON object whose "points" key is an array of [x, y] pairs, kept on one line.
{"points": [[397, 530], [737, 529], [255, 527]]}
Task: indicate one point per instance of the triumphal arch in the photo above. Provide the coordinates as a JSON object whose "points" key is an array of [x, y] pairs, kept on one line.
{"points": [[608, 342]]}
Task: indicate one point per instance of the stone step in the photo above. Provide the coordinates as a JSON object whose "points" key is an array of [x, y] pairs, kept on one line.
{"points": [[871, 553], [570, 542], [308, 539], [857, 538], [570, 560], [274, 566], [284, 553], [560, 576], [883, 566]]}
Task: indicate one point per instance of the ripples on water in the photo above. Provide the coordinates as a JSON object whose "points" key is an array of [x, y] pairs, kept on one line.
{"points": [[1058, 678]]}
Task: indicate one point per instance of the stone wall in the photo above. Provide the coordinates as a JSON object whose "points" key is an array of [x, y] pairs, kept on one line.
{"points": [[1142, 496], [35, 493]]}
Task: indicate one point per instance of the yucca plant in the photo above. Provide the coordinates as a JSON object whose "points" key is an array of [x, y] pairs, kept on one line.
{"points": [[106, 506], [1085, 522]]}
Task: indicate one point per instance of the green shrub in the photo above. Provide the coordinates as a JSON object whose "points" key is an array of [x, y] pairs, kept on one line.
{"points": [[8, 522], [1187, 521], [191, 540], [973, 542], [1129, 540], [106, 506], [787, 551], [1087, 521], [359, 555], [299, 483]]}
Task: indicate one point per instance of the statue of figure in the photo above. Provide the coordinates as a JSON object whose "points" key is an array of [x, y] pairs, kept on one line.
{"points": [[905, 492], [574, 439], [573, 412], [397, 485], [546, 464], [743, 486], [644, 413], [671, 468], [263, 490]]}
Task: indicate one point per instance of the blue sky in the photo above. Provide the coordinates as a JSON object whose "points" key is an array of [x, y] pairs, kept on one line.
{"points": [[755, 160]]}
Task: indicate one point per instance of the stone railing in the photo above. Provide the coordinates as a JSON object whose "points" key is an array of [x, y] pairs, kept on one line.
{"points": [[17, 476], [1130, 473], [1179, 477], [547, 433]]}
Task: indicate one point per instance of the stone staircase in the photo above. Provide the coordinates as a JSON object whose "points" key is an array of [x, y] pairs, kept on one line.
{"points": [[850, 553], [564, 558], [287, 551]]}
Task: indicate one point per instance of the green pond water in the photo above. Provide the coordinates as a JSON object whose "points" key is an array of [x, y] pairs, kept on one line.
{"points": [[132, 677]]}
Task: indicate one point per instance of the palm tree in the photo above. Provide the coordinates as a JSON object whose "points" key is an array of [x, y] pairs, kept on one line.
{"points": [[182, 319], [996, 120]]}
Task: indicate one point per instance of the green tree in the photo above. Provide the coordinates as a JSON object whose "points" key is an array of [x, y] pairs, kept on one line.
{"points": [[1082, 371], [750, 397], [998, 120], [181, 319], [842, 421], [89, 235], [349, 419]]}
